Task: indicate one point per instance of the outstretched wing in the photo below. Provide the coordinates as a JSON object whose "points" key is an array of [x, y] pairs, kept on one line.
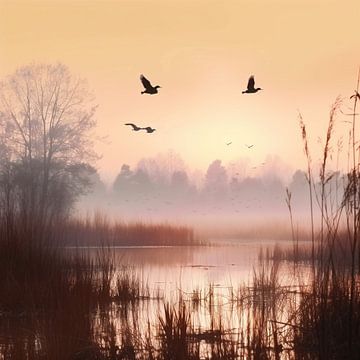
{"points": [[146, 83], [133, 125], [251, 83]]}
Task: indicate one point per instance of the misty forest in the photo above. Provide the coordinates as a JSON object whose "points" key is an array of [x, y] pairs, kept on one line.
{"points": [[243, 259]]}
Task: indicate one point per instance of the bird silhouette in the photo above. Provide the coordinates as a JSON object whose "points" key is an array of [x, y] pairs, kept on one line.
{"points": [[251, 86], [149, 89], [135, 127], [149, 129], [249, 146]]}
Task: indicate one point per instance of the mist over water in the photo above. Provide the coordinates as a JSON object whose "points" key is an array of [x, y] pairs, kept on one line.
{"points": [[233, 199]]}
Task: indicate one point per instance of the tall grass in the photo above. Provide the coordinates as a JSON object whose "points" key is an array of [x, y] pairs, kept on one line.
{"points": [[328, 311], [99, 230], [48, 297]]}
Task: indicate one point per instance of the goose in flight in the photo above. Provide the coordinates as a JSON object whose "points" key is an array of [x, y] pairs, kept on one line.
{"points": [[148, 129], [149, 89], [251, 86], [135, 127]]}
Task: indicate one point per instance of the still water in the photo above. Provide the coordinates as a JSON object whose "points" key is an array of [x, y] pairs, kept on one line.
{"points": [[225, 264], [215, 283], [208, 279]]}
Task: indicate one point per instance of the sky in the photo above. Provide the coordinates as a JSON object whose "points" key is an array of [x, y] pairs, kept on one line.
{"points": [[303, 54]]}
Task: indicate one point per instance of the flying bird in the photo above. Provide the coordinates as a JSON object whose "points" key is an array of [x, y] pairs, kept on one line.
{"points": [[149, 89], [149, 129], [249, 146], [229, 143], [135, 127], [251, 86]]}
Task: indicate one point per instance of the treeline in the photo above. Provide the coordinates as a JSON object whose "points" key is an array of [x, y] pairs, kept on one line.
{"points": [[150, 190]]}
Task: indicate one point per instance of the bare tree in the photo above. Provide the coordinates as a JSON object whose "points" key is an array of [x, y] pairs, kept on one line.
{"points": [[46, 122]]}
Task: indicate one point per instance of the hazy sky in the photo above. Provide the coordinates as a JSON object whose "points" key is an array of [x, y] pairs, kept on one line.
{"points": [[303, 53]]}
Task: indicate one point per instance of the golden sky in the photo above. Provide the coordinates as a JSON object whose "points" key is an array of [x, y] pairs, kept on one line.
{"points": [[303, 53]]}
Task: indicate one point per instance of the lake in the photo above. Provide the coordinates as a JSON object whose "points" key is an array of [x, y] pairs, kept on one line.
{"points": [[209, 280], [218, 301], [226, 263]]}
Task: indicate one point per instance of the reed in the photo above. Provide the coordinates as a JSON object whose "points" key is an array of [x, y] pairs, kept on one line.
{"points": [[98, 230]]}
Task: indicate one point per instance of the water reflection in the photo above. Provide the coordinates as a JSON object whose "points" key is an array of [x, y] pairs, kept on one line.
{"points": [[196, 285], [206, 280]]}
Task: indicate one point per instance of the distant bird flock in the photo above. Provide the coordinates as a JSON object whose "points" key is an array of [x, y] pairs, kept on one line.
{"points": [[152, 90]]}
